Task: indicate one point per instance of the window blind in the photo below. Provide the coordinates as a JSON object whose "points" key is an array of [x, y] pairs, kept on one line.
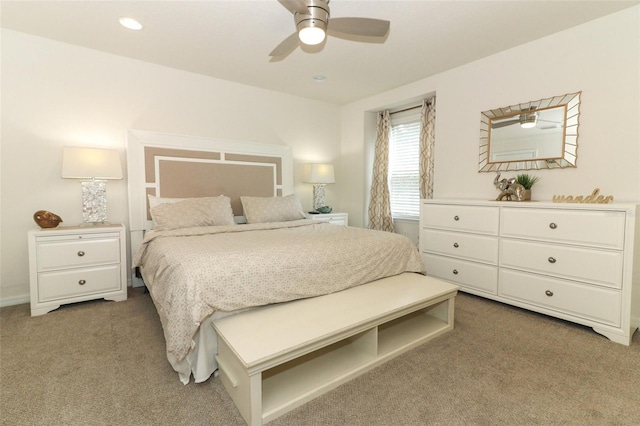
{"points": [[404, 173]]}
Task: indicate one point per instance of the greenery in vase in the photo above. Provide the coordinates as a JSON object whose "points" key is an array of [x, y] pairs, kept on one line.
{"points": [[527, 181]]}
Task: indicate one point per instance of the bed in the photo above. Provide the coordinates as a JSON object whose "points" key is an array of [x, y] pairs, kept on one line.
{"points": [[216, 230]]}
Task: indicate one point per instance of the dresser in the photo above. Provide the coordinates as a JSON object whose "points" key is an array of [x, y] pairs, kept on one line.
{"points": [[335, 218], [76, 263], [578, 262]]}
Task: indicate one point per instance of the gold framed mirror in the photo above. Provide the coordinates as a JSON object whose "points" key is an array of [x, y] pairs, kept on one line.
{"points": [[540, 134]]}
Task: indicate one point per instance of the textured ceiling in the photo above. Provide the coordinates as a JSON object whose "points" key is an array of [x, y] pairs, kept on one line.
{"points": [[231, 40]]}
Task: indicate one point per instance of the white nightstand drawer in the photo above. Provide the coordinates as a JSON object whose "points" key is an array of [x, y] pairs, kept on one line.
{"points": [[472, 275], [78, 282], [78, 253], [467, 246], [334, 218], [591, 302]]}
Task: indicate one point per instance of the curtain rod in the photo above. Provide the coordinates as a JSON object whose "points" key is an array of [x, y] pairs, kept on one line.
{"points": [[405, 109], [429, 101]]}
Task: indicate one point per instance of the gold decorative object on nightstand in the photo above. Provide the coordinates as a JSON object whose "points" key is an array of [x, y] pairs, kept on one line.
{"points": [[46, 219], [594, 198]]}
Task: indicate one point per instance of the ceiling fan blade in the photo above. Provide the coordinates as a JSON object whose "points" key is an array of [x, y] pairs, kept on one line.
{"points": [[287, 46], [504, 124], [364, 27], [294, 6]]}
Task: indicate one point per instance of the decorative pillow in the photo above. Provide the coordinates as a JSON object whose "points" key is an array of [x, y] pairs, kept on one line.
{"points": [[156, 201], [272, 209], [174, 213]]}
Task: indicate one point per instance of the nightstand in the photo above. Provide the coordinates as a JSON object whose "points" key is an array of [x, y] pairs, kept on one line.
{"points": [[335, 218], [76, 263]]}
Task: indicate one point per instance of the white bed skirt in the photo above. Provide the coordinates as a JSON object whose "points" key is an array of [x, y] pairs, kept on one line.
{"points": [[200, 362]]}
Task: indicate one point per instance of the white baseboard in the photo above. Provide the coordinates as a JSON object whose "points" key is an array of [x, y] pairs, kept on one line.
{"points": [[14, 300]]}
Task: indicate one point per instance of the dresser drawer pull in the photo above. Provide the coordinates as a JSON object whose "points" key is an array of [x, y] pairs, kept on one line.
{"points": [[82, 282], [456, 245], [456, 218], [80, 253], [552, 260], [455, 272], [553, 225], [548, 293]]}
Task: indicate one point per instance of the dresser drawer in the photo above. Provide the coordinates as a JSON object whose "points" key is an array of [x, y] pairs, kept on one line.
{"points": [[602, 267], [78, 282], [590, 302], [599, 228], [478, 219], [468, 246], [472, 275], [77, 253]]}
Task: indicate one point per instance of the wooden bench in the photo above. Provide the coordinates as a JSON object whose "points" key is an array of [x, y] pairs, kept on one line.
{"points": [[279, 357]]}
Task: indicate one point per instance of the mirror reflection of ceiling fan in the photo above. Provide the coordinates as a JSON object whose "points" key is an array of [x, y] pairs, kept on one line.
{"points": [[527, 119], [311, 18]]}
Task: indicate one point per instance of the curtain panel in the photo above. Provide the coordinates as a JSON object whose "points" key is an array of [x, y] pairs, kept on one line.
{"points": [[380, 204], [427, 144]]}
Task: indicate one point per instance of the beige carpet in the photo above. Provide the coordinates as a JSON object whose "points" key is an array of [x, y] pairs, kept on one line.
{"points": [[103, 363]]}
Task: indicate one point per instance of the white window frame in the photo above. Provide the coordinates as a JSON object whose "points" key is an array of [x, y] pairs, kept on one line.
{"points": [[411, 116]]}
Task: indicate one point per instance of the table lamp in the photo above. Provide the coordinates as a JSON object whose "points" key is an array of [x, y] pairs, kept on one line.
{"points": [[97, 165], [319, 175]]}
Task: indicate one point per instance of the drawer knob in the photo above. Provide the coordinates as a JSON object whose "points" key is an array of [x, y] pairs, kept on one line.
{"points": [[80, 253], [82, 282], [455, 272], [553, 225], [552, 260], [456, 217], [548, 293], [456, 245]]}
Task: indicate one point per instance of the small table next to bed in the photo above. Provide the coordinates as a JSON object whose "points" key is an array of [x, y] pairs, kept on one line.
{"points": [[276, 358]]}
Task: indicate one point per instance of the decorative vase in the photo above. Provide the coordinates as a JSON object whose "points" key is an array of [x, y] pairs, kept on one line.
{"points": [[526, 195]]}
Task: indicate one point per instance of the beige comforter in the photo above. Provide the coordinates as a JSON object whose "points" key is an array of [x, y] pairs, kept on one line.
{"points": [[194, 272]]}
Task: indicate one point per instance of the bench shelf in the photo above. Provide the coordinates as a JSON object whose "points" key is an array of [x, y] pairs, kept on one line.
{"points": [[281, 365]]}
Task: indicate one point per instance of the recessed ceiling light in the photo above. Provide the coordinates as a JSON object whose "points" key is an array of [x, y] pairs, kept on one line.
{"points": [[130, 23], [319, 78]]}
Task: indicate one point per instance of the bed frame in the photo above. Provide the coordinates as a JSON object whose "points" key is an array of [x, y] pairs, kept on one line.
{"points": [[178, 166], [183, 166]]}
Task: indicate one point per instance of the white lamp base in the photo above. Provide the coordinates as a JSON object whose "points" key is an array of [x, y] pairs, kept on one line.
{"points": [[318, 195], [94, 201]]}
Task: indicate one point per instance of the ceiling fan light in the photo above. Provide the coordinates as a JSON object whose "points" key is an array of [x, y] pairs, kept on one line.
{"points": [[311, 35], [528, 121], [130, 23]]}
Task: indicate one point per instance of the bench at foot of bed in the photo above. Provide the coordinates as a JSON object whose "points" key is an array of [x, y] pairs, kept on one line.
{"points": [[279, 357]]}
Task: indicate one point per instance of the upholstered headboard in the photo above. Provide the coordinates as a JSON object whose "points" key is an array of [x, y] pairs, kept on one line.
{"points": [[179, 166]]}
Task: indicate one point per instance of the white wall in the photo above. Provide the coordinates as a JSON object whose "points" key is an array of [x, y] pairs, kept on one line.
{"points": [[601, 58], [56, 94]]}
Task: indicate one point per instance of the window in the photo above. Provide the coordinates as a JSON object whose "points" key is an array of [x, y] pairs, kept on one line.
{"points": [[404, 169]]}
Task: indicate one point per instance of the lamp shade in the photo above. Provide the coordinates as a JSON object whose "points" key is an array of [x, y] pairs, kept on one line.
{"points": [[318, 173], [92, 163]]}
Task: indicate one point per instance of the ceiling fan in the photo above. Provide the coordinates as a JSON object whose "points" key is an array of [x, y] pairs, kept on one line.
{"points": [[311, 18], [528, 118]]}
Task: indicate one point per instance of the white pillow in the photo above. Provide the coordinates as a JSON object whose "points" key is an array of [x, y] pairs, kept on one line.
{"points": [[272, 209], [174, 213], [156, 201]]}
